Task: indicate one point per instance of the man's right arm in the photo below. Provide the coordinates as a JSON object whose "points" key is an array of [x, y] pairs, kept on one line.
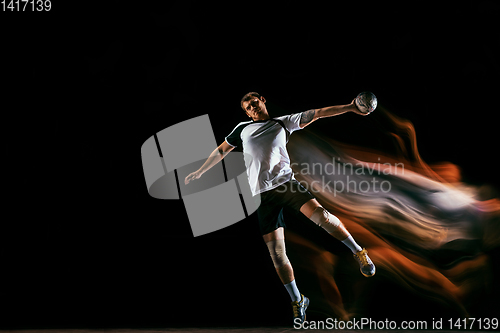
{"points": [[215, 157]]}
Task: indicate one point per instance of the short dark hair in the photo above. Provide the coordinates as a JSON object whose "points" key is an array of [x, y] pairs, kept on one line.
{"points": [[248, 97]]}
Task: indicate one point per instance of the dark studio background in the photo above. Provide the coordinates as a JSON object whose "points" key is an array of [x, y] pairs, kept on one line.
{"points": [[84, 245]]}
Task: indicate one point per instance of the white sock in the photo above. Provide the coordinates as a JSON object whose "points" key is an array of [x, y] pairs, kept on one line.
{"points": [[293, 291], [351, 244]]}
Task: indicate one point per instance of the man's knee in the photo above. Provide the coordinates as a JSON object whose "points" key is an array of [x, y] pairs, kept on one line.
{"points": [[324, 219], [277, 250]]}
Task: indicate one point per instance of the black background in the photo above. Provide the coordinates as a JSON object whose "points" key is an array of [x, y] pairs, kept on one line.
{"points": [[83, 86]]}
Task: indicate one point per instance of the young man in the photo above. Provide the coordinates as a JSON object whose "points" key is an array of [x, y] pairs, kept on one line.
{"points": [[271, 176]]}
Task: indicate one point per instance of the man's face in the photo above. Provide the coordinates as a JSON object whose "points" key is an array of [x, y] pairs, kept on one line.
{"points": [[255, 108]]}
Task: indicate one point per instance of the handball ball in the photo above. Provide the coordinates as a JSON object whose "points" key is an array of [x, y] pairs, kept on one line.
{"points": [[366, 102]]}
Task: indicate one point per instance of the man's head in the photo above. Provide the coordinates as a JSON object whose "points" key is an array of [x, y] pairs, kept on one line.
{"points": [[254, 106]]}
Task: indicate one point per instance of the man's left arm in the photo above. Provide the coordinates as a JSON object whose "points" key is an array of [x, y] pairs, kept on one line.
{"points": [[310, 116]]}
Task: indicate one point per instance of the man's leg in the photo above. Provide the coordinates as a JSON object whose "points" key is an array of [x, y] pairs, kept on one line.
{"points": [[315, 212], [275, 242]]}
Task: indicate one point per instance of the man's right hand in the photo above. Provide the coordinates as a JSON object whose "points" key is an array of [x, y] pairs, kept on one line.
{"points": [[215, 157], [192, 176]]}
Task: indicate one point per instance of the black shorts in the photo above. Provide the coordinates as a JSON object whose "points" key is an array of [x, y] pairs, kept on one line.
{"points": [[270, 212]]}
